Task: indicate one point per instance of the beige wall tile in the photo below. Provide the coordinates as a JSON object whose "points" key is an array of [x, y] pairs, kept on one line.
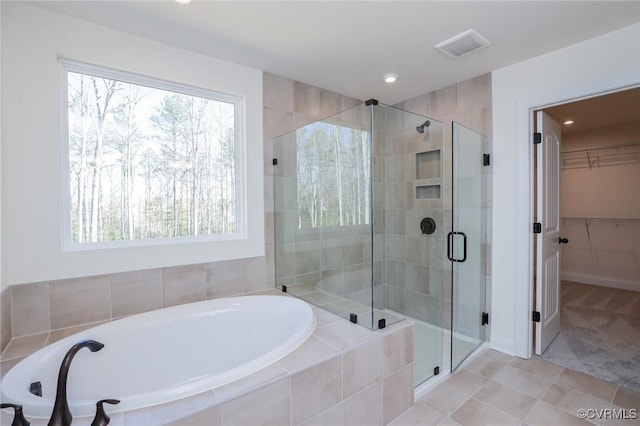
{"points": [[6, 366], [55, 335], [475, 92], [362, 367], [255, 274], [266, 406], [210, 417], [306, 99], [310, 353], [5, 318], [398, 350], [276, 123], [277, 92], [332, 416], [364, 408], [316, 389], [224, 278], [79, 301], [30, 308], [136, 292], [183, 284], [397, 393], [25, 345], [265, 376], [343, 335]]}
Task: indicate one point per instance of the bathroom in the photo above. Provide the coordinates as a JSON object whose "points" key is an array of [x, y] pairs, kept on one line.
{"points": [[105, 292]]}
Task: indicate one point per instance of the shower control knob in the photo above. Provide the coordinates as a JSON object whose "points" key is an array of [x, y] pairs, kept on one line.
{"points": [[562, 240], [428, 225]]}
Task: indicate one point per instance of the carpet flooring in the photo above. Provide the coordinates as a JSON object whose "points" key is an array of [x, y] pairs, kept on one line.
{"points": [[599, 333]]}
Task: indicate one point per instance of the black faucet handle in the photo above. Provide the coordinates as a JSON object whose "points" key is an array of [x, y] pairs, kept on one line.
{"points": [[18, 416], [101, 418]]}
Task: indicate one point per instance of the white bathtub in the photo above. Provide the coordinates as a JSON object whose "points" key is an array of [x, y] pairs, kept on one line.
{"points": [[161, 356]]}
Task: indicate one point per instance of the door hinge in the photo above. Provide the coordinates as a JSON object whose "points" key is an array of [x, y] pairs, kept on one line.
{"points": [[537, 228], [537, 138], [536, 316], [486, 159], [485, 318]]}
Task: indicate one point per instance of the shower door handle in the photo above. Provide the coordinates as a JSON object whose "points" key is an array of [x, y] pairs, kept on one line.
{"points": [[450, 237]]}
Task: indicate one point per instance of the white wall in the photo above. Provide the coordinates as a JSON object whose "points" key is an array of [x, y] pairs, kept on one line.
{"points": [[32, 41], [600, 64]]}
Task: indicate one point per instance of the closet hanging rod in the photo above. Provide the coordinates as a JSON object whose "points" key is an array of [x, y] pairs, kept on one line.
{"points": [[628, 145], [602, 219]]}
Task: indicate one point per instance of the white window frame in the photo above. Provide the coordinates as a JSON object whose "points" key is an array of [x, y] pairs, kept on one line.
{"points": [[239, 102]]}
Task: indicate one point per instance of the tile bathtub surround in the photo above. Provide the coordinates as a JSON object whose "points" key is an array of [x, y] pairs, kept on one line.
{"points": [[41, 307], [340, 375]]}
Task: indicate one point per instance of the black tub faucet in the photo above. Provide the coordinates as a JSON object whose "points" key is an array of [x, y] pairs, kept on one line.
{"points": [[18, 416], [61, 416]]}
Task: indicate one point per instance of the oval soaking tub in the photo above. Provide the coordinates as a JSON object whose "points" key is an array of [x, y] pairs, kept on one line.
{"points": [[164, 355]]}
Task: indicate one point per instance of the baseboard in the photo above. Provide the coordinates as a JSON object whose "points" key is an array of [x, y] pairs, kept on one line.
{"points": [[605, 282]]}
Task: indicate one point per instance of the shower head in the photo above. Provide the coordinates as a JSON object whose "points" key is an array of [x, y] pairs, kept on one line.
{"points": [[424, 125]]}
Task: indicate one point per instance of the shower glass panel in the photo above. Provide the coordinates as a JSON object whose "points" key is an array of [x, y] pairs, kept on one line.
{"points": [[323, 213], [466, 244], [359, 221]]}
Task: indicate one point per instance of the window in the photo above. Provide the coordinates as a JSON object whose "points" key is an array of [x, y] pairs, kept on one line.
{"points": [[149, 160], [333, 176]]}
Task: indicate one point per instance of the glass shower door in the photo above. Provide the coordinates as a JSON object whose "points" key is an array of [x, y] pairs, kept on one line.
{"points": [[466, 244]]}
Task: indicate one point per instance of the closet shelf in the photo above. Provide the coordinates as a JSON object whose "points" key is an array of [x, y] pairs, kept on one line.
{"points": [[600, 157], [600, 221]]}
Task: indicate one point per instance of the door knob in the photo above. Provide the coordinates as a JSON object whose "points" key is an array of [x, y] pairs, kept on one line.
{"points": [[562, 240]]}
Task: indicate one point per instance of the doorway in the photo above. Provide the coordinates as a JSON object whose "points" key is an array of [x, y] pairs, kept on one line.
{"points": [[599, 229]]}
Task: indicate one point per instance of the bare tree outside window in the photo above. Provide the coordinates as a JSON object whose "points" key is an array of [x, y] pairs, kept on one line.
{"points": [[148, 163], [334, 169]]}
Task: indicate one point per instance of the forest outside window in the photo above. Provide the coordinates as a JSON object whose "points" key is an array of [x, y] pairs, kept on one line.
{"points": [[148, 161], [333, 174]]}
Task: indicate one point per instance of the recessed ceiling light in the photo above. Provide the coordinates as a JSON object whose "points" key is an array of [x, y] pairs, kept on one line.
{"points": [[568, 122], [183, 1], [390, 78]]}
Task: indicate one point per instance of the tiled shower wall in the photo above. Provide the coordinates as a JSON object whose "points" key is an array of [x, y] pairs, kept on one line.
{"points": [[327, 258], [467, 103]]}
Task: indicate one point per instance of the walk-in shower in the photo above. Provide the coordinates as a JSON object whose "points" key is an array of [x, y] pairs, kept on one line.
{"points": [[380, 215]]}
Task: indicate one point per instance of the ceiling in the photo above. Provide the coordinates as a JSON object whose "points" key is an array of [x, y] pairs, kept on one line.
{"points": [[348, 46], [603, 111]]}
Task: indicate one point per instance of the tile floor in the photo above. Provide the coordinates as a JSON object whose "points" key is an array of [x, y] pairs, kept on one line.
{"points": [[498, 389]]}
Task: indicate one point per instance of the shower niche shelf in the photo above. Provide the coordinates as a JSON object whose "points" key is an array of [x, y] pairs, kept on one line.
{"points": [[428, 175], [428, 164], [428, 192]]}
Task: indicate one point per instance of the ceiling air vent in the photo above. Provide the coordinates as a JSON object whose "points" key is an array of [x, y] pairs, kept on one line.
{"points": [[463, 44]]}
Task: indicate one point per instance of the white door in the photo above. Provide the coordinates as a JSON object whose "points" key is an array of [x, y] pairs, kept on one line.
{"points": [[548, 241]]}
